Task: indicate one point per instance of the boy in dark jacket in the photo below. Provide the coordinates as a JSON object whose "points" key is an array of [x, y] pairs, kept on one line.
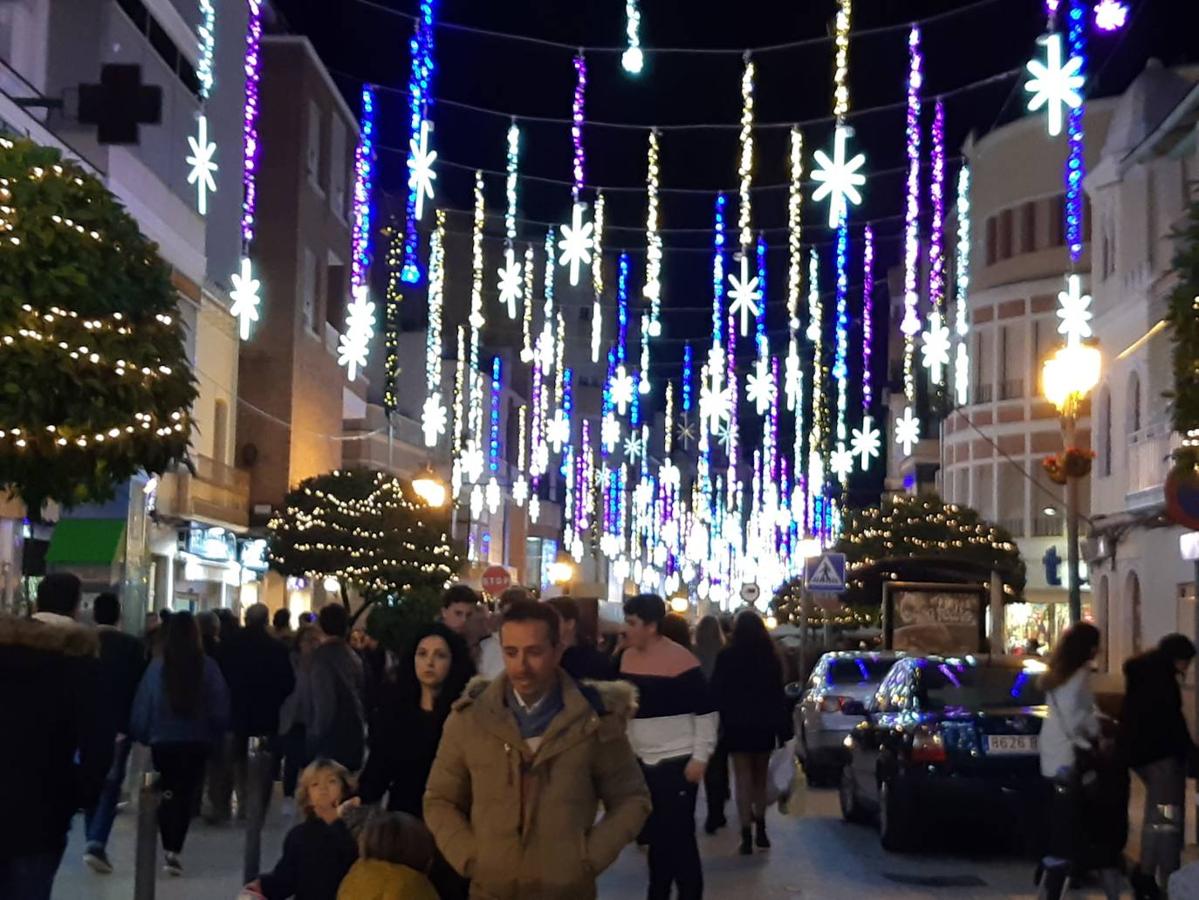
{"points": [[55, 748], [1158, 747], [122, 662]]}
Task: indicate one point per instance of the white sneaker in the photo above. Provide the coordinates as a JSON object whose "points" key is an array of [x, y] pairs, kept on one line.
{"points": [[97, 861], [172, 865]]}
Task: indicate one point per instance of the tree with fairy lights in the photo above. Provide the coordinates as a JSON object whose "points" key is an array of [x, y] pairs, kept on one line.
{"points": [[1183, 316], [95, 380], [370, 531]]}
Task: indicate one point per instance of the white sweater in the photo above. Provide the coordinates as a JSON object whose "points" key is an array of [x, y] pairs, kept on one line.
{"points": [[1072, 722]]}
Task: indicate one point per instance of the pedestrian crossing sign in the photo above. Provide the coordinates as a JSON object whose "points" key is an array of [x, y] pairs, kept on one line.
{"points": [[825, 572]]}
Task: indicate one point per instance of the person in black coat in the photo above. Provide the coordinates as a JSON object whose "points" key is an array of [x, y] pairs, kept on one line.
{"points": [[430, 677], [1157, 745], [748, 688], [56, 748], [122, 662], [580, 659], [258, 670]]}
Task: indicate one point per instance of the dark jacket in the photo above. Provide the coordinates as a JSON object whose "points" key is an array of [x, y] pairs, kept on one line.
{"points": [[258, 669], [748, 689], [122, 662], [153, 721], [334, 710], [55, 750], [315, 859], [582, 662], [404, 741], [1152, 725]]}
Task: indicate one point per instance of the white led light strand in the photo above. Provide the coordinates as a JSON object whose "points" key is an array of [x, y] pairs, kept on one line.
{"points": [[434, 415], [961, 366], [632, 59], [511, 287], [653, 240], [597, 280]]}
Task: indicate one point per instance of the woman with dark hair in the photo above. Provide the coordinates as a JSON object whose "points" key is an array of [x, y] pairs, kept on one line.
{"points": [[430, 676], [181, 710], [748, 687], [675, 627], [1067, 743], [709, 641]]}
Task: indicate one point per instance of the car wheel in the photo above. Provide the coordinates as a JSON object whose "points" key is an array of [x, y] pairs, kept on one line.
{"points": [[895, 817], [847, 793]]}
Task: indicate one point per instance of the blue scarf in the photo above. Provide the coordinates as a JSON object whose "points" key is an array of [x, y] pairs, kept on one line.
{"points": [[533, 724]]}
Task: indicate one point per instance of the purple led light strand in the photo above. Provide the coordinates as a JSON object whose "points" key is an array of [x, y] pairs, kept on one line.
{"points": [[936, 248], [867, 316], [253, 70], [576, 126], [1076, 162], [910, 326]]}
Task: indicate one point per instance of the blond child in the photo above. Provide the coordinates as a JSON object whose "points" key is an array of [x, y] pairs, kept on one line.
{"points": [[395, 851], [319, 851]]}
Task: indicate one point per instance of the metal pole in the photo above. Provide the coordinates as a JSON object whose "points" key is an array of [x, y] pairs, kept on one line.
{"points": [[805, 612], [257, 773], [146, 863], [1072, 527]]}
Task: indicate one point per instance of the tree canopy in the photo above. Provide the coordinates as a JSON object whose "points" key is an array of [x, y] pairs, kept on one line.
{"points": [[1183, 316], [95, 384], [367, 529]]}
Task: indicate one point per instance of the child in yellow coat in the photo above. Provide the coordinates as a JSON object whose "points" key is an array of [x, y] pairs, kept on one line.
{"points": [[394, 852]]}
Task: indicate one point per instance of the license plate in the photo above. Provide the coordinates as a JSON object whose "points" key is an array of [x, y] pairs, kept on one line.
{"points": [[1011, 744]]}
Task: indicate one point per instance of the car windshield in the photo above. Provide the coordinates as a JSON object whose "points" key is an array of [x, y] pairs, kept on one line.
{"points": [[955, 683], [858, 670]]}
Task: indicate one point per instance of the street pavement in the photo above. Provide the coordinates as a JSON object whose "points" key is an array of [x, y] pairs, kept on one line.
{"points": [[815, 856]]}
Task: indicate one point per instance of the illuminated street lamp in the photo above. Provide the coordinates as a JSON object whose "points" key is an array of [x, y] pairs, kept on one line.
{"points": [[430, 488], [562, 573], [1067, 377]]}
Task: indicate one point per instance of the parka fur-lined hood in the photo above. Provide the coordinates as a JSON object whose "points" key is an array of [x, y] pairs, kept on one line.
{"points": [[30, 634], [617, 698]]}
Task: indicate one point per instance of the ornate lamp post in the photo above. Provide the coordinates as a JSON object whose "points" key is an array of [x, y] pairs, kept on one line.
{"points": [[1067, 377]]}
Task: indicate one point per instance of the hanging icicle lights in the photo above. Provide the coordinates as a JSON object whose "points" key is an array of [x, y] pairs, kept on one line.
{"points": [[795, 230], [1076, 162], [838, 177], [477, 319], [653, 240], [841, 324], [910, 326], [961, 366], [578, 109], [364, 170], [816, 435], [597, 280], [867, 316], [632, 59], [420, 83], [433, 418], [745, 168], [245, 293]]}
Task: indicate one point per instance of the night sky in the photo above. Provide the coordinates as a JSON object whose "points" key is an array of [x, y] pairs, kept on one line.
{"points": [[361, 40]]}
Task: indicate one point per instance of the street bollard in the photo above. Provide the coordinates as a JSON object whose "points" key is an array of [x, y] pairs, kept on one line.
{"points": [[146, 867], [257, 787]]}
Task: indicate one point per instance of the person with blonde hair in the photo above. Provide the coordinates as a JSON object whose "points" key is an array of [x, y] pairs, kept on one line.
{"points": [[395, 852], [319, 851]]}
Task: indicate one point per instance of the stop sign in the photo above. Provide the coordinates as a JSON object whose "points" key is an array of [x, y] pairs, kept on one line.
{"points": [[496, 580]]}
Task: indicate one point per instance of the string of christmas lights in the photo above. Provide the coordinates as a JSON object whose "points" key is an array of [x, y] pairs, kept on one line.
{"points": [[653, 242], [1076, 162], [421, 174], [867, 317], [910, 325], [961, 367], [597, 280], [433, 415]]}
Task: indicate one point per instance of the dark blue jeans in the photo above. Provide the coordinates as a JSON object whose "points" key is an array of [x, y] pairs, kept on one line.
{"points": [[98, 820], [29, 877]]}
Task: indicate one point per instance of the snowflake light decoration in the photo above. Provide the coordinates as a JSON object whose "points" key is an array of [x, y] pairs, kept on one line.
{"points": [[476, 502], [634, 447], [669, 474], [576, 243], [715, 405], [907, 431], [1110, 15], [726, 435], [841, 462], [839, 179], [961, 374], [935, 349], [1075, 311], [512, 285], [434, 419], [865, 442], [534, 508], [744, 296], [609, 432], [558, 431], [1054, 84], [245, 297], [520, 490], [203, 166], [421, 174], [686, 434], [623, 387], [472, 462], [494, 495], [360, 328], [759, 389]]}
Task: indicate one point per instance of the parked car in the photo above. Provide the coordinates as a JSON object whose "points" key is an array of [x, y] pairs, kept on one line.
{"points": [[821, 720], [946, 741]]}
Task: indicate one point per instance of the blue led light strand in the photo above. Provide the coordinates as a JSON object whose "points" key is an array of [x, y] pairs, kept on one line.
{"points": [[364, 172], [1076, 162], [420, 93]]}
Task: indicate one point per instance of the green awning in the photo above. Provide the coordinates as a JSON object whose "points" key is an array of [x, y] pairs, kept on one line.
{"points": [[86, 542]]}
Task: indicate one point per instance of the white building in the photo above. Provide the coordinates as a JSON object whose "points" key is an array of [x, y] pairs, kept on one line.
{"points": [[1139, 191], [47, 49]]}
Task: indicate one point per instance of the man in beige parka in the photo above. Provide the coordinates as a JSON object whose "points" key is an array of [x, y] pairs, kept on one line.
{"points": [[523, 765]]}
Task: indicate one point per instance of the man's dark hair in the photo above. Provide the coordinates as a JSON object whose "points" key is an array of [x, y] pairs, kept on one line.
{"points": [[333, 619], [257, 615], [649, 608], [459, 593], [1175, 647], [515, 594], [59, 592], [281, 620], [532, 611], [163, 615], [566, 607], [106, 609], [307, 618]]}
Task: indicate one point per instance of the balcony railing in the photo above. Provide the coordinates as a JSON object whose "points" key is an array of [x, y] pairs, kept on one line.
{"points": [[1012, 389], [215, 493], [1048, 526], [1149, 453], [982, 393], [1014, 527]]}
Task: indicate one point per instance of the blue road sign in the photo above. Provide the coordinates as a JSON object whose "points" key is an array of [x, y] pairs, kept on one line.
{"points": [[825, 572]]}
